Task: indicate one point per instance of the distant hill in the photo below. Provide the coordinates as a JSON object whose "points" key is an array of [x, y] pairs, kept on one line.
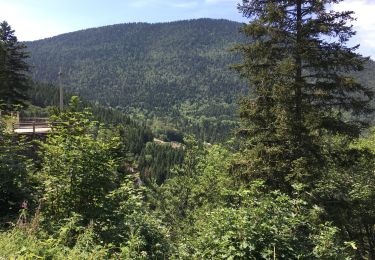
{"points": [[178, 71], [144, 65]]}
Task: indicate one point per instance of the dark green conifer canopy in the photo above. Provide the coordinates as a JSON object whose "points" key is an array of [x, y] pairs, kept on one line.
{"points": [[14, 81], [298, 62]]}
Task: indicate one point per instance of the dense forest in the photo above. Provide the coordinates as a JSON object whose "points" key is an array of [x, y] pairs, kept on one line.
{"points": [[146, 66], [117, 176], [174, 73]]}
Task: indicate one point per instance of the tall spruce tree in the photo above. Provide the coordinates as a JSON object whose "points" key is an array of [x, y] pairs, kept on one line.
{"points": [[14, 81], [297, 62]]}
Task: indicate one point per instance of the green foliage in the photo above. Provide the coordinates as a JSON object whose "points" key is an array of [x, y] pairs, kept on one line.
{"points": [[368, 142], [201, 211], [138, 232], [347, 192], [202, 180], [212, 216], [14, 81], [156, 161], [19, 243], [306, 110], [88, 174], [125, 229], [16, 170], [88, 207], [89, 166], [265, 226], [46, 96], [135, 138], [300, 88]]}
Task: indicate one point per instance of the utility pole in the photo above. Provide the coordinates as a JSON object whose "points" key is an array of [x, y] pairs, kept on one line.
{"points": [[61, 91]]}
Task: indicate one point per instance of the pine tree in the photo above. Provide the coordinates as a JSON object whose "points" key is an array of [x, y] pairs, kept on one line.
{"points": [[298, 62], [14, 81]]}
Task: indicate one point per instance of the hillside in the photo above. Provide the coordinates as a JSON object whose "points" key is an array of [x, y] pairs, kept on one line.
{"points": [[174, 72], [143, 65]]}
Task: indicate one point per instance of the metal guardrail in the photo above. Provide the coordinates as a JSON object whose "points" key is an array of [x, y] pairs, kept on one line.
{"points": [[30, 124], [40, 126], [35, 119], [36, 125], [31, 127]]}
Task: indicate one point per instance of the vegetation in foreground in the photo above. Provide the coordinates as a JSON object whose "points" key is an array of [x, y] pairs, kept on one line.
{"points": [[81, 199]]}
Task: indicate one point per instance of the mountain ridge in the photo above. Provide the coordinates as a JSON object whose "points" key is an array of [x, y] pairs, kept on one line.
{"points": [[131, 23]]}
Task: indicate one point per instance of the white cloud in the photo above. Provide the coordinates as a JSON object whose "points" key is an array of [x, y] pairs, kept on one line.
{"points": [[365, 24]]}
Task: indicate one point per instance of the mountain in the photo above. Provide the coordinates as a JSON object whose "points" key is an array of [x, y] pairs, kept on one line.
{"points": [[143, 65], [176, 73]]}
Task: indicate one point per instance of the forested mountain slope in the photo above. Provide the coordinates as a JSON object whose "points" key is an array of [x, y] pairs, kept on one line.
{"points": [[144, 65]]}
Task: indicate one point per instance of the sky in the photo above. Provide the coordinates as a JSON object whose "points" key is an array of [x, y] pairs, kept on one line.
{"points": [[38, 19]]}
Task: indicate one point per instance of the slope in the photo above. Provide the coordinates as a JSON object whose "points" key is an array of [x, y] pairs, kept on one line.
{"points": [[143, 65]]}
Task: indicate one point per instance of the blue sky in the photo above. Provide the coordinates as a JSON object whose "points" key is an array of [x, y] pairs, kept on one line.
{"points": [[37, 19]]}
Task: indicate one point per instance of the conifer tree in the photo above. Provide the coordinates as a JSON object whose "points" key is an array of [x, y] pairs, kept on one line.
{"points": [[297, 60], [14, 81]]}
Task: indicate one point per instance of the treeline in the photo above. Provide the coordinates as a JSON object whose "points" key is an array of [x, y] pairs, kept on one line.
{"points": [[210, 121], [44, 97]]}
